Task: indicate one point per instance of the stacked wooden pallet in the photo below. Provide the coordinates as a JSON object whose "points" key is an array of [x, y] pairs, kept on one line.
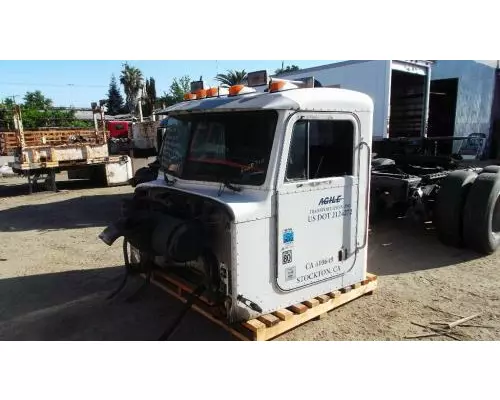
{"points": [[9, 141], [269, 326]]}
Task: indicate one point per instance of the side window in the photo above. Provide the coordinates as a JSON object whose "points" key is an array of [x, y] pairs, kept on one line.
{"points": [[321, 149], [297, 157]]}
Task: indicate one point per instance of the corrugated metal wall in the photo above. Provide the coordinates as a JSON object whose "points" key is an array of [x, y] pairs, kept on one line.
{"points": [[475, 93]]}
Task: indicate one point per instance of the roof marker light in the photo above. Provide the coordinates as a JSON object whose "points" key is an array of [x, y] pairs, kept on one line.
{"points": [[212, 92], [235, 89], [217, 91], [201, 93], [189, 96], [279, 85], [240, 89]]}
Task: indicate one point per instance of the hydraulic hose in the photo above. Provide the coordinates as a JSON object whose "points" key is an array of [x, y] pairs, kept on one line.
{"points": [[175, 325]]}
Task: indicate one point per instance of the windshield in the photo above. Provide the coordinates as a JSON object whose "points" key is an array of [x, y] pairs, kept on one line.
{"points": [[221, 147]]}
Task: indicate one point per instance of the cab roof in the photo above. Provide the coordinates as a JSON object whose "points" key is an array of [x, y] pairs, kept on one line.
{"points": [[305, 99]]}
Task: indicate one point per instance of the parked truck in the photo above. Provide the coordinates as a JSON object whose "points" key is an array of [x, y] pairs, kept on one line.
{"points": [[144, 138], [400, 90], [402, 94], [84, 154], [261, 196], [119, 137]]}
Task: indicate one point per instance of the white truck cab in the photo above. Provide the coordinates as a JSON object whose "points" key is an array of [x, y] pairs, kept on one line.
{"points": [[262, 193]]}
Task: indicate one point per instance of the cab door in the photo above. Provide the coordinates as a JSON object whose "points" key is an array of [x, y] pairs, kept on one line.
{"points": [[317, 199]]}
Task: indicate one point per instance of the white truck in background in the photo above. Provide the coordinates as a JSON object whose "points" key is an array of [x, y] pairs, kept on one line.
{"points": [[402, 94], [400, 90], [143, 138]]}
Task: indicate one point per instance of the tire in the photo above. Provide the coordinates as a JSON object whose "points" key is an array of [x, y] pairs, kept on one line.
{"points": [[382, 162], [491, 169], [481, 228], [450, 202]]}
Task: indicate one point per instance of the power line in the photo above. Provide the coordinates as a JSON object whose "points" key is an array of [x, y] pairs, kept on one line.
{"points": [[51, 84]]}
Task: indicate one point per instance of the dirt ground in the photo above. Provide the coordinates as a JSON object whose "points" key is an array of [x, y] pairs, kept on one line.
{"points": [[55, 275]]}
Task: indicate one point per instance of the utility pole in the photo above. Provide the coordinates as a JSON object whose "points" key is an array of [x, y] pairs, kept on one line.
{"points": [[93, 105], [103, 121], [18, 126], [140, 109]]}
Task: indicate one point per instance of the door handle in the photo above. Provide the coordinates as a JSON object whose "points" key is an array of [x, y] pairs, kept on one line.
{"points": [[367, 196]]}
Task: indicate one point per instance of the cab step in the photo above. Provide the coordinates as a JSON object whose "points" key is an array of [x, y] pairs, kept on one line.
{"points": [[269, 326]]}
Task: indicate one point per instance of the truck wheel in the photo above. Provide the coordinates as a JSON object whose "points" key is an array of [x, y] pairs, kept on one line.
{"points": [[450, 202], [481, 228], [491, 169]]}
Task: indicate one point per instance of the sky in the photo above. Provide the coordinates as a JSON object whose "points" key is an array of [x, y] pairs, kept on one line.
{"points": [[78, 83]]}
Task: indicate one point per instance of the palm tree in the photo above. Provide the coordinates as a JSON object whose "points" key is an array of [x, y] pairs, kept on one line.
{"points": [[231, 78], [132, 81]]}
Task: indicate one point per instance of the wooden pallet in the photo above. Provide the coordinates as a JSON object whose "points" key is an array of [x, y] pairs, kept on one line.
{"points": [[9, 141], [269, 326]]}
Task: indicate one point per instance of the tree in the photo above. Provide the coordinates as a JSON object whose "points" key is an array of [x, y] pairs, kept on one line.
{"points": [[289, 68], [115, 99], [8, 103], [132, 81], [231, 78], [150, 99], [36, 101], [176, 92], [6, 114], [37, 112]]}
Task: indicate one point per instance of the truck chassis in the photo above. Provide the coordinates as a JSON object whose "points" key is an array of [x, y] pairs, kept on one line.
{"points": [[460, 197]]}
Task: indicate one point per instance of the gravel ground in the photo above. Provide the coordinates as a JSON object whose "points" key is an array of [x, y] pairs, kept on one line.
{"points": [[55, 275]]}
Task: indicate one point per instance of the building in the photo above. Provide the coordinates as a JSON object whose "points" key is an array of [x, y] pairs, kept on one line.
{"points": [[88, 115], [461, 97]]}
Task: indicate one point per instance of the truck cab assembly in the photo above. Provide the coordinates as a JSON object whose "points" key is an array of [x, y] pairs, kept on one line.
{"points": [[261, 194]]}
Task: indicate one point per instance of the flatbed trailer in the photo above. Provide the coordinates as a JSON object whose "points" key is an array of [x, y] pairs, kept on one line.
{"points": [[110, 171], [84, 154]]}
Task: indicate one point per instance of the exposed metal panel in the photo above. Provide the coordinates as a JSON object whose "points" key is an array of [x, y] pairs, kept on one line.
{"points": [[489, 63], [118, 173], [475, 93], [363, 76], [321, 67], [144, 134]]}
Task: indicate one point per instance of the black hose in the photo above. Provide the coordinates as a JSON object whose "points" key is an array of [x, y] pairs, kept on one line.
{"points": [[175, 325], [142, 289], [127, 270]]}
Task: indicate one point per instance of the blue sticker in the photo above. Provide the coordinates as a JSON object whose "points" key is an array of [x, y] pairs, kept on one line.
{"points": [[288, 236]]}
